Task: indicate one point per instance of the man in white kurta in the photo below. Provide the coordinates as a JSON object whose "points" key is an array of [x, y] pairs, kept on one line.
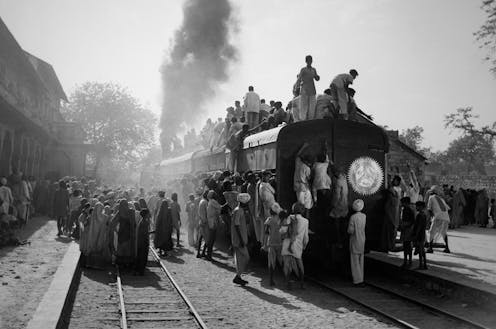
{"points": [[307, 89], [251, 107], [356, 230], [339, 93]]}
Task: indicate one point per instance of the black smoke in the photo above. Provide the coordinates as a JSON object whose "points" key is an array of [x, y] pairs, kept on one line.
{"points": [[198, 61]]}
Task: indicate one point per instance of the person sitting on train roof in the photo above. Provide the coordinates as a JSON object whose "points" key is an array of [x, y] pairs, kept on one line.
{"points": [[235, 144], [307, 89], [339, 86], [238, 111], [324, 107], [235, 127], [264, 111], [294, 107], [251, 107], [280, 115]]}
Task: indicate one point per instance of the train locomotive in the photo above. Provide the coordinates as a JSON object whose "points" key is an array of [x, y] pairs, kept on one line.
{"points": [[358, 148]]}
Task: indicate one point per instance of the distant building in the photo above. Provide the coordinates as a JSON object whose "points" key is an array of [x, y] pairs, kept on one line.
{"points": [[34, 137]]}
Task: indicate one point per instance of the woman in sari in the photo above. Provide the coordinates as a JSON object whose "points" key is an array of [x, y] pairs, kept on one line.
{"points": [[126, 234], [97, 237], [163, 229], [84, 223], [142, 241]]}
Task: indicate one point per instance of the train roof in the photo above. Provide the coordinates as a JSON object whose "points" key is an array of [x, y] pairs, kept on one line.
{"points": [[262, 138], [271, 135]]}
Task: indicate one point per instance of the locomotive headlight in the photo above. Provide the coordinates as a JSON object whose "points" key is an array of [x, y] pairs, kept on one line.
{"points": [[365, 175]]}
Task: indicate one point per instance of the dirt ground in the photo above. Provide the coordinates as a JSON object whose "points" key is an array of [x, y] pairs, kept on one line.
{"points": [[258, 305], [224, 305], [26, 271]]}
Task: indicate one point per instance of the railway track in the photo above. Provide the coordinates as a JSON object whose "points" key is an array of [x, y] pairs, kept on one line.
{"points": [[154, 300], [398, 308]]}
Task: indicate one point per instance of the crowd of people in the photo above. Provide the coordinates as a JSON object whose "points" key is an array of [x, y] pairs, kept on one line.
{"points": [[256, 115]]}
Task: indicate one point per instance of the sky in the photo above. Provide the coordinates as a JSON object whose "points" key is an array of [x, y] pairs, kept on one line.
{"points": [[417, 60]]}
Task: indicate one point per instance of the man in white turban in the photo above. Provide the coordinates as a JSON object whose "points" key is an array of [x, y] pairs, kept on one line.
{"points": [[356, 230], [239, 237]]}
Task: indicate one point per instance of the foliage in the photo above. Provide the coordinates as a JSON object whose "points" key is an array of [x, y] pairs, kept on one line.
{"points": [[486, 35], [412, 137], [463, 120], [113, 120], [469, 154]]}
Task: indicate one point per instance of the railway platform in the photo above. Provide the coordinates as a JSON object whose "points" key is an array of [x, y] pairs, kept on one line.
{"points": [[468, 273]]}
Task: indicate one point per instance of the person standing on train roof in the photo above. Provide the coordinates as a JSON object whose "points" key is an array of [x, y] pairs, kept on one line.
{"points": [[301, 179], [251, 107], [356, 230], [339, 93], [306, 79], [239, 236]]}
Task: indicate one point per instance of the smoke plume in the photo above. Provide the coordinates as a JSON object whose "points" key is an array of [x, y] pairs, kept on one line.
{"points": [[198, 61]]}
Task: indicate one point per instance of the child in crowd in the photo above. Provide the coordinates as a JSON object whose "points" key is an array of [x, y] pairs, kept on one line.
{"points": [[419, 234], [176, 217], [407, 222], [356, 230], [191, 211], [272, 240]]}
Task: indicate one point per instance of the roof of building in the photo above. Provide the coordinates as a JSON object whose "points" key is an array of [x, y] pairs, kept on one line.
{"points": [[48, 76], [12, 57], [394, 138]]}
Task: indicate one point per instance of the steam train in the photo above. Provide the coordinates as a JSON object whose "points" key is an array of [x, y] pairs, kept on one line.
{"points": [[358, 148]]}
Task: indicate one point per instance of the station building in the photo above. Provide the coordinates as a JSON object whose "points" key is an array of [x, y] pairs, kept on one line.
{"points": [[34, 137]]}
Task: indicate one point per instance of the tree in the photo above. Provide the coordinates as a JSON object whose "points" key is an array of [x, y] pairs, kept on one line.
{"points": [[486, 35], [463, 119], [113, 120], [469, 153], [412, 137]]}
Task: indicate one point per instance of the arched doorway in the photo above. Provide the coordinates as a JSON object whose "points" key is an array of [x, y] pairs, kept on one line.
{"points": [[6, 154]]}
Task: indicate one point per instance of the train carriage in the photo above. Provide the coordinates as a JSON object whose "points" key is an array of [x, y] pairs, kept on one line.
{"points": [[358, 148]]}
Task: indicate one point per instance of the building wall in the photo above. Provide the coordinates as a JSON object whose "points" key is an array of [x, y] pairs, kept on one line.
{"points": [[398, 157]]}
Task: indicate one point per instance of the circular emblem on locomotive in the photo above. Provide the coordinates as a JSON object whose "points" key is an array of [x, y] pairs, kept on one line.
{"points": [[365, 176]]}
